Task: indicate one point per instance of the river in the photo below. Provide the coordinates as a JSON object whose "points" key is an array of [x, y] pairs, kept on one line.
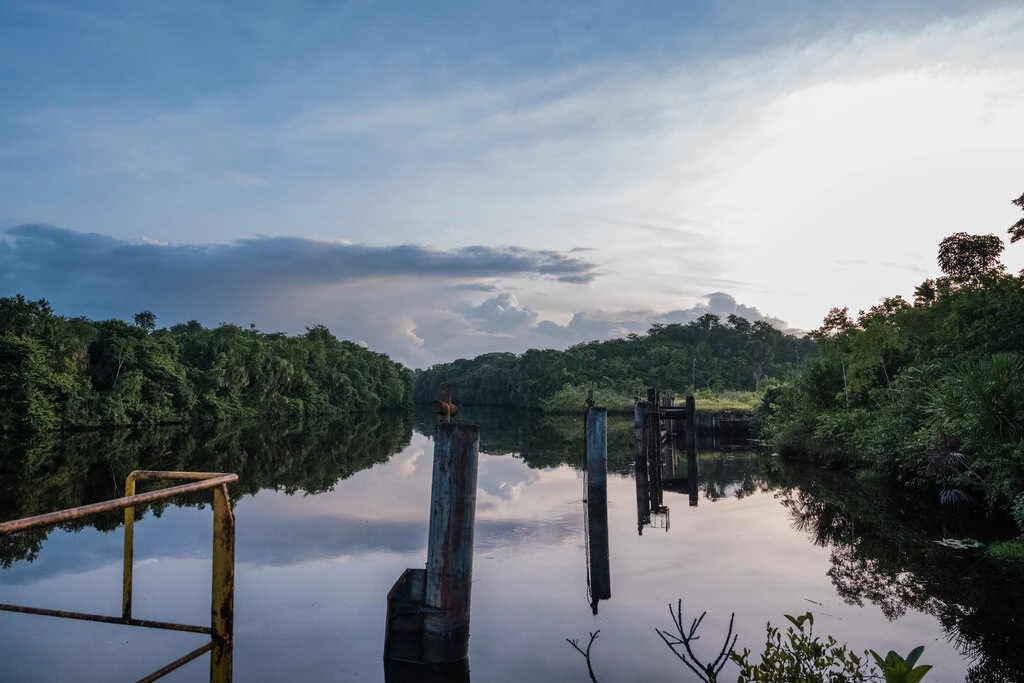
{"points": [[329, 516]]}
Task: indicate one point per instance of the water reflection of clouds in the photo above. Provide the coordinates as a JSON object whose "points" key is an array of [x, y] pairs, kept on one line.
{"points": [[504, 477], [383, 509]]}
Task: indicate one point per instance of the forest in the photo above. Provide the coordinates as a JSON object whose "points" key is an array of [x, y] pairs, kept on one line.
{"points": [[706, 354], [68, 373], [929, 391]]}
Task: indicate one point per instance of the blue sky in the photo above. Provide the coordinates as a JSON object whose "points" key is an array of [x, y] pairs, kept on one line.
{"points": [[443, 179]]}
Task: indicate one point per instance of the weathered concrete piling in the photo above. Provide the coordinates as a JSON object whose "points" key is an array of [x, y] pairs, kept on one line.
{"points": [[428, 609], [450, 546], [597, 505]]}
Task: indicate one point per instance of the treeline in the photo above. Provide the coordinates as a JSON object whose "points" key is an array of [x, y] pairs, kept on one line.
{"points": [[929, 391], [704, 354], [63, 373]]}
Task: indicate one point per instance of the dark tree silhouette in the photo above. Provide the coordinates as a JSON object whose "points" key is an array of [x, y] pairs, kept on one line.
{"points": [[967, 258], [1017, 229]]}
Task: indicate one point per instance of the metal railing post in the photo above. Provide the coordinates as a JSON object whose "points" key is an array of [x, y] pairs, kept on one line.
{"points": [[129, 550], [222, 597], [222, 601]]}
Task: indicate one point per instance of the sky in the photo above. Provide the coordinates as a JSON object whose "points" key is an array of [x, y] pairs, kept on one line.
{"points": [[439, 180]]}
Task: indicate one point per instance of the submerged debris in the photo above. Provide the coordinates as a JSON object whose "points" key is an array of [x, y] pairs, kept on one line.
{"points": [[961, 543]]}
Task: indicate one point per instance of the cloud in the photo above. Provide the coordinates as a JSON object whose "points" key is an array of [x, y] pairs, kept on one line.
{"points": [[502, 323], [501, 313], [79, 270], [378, 295], [38, 249], [722, 305]]}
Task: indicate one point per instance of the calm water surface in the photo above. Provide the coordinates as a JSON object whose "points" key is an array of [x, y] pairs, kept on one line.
{"points": [[328, 518]]}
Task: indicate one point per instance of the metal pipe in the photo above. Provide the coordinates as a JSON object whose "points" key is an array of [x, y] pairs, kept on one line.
{"points": [[176, 664], [103, 619], [52, 518], [128, 569]]}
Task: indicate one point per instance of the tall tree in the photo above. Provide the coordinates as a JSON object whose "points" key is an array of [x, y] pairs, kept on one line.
{"points": [[967, 258], [1017, 229]]}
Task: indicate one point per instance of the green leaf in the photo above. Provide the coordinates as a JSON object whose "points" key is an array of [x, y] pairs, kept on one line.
{"points": [[917, 674], [914, 655]]}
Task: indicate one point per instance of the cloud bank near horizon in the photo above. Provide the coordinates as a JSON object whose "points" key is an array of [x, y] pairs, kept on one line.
{"points": [[419, 304]]}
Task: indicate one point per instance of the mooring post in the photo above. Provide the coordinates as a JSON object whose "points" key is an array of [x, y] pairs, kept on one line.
{"points": [[691, 449], [643, 510], [597, 505], [639, 424], [654, 433], [449, 573], [691, 423]]}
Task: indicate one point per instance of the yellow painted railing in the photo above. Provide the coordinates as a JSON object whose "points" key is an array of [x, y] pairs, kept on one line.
{"points": [[222, 597]]}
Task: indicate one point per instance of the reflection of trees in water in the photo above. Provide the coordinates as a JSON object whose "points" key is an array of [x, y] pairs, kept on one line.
{"points": [[541, 439], [858, 578], [883, 550], [54, 472], [730, 474]]}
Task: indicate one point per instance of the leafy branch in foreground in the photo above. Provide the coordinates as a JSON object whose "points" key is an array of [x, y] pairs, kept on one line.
{"points": [[896, 669], [801, 656], [705, 672], [796, 656]]}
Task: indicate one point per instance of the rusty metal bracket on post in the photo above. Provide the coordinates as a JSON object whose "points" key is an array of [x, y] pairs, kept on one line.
{"points": [[444, 407], [222, 597]]}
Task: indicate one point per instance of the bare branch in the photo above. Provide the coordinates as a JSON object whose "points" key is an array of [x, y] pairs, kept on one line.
{"points": [[586, 653]]}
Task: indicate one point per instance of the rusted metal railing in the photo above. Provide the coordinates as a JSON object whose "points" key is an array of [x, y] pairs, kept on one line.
{"points": [[222, 598]]}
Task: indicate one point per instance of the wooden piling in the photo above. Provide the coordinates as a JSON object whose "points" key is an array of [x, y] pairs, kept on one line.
{"points": [[643, 488], [691, 423], [639, 423], [597, 505], [691, 450]]}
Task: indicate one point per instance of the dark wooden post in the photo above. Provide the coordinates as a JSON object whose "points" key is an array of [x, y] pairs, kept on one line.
{"points": [[691, 449], [639, 426], [691, 423], [643, 487], [597, 505]]}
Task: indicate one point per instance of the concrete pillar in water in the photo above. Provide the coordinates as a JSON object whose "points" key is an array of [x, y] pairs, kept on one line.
{"points": [[428, 609], [450, 547], [597, 505]]}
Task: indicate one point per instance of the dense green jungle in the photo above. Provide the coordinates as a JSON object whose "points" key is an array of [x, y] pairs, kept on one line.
{"points": [[707, 353], [881, 534], [67, 373], [929, 392]]}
